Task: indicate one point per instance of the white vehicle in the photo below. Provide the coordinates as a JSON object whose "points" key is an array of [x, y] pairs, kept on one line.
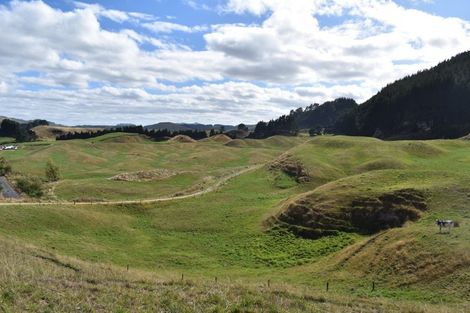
{"points": [[8, 147]]}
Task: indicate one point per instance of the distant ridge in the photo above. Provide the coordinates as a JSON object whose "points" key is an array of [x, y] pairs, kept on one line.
{"points": [[188, 126], [13, 119]]}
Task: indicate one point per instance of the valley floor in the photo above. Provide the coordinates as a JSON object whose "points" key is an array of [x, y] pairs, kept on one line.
{"points": [[60, 257]]}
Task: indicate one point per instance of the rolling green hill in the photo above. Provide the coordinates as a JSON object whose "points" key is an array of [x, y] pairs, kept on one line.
{"points": [[243, 232]]}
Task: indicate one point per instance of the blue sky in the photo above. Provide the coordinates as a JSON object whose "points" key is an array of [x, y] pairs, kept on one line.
{"points": [[215, 61]]}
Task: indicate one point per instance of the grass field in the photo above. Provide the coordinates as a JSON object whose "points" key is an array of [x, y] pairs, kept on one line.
{"points": [[87, 165], [4, 140], [225, 233]]}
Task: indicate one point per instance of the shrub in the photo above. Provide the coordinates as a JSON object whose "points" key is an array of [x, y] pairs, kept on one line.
{"points": [[32, 186], [52, 172], [5, 167]]}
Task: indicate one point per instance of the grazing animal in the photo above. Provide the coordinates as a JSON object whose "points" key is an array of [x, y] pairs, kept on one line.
{"points": [[445, 224]]}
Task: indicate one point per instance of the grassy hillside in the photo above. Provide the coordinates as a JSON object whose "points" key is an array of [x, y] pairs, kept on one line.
{"points": [[230, 233], [346, 170], [34, 280], [51, 132], [87, 166], [4, 140]]}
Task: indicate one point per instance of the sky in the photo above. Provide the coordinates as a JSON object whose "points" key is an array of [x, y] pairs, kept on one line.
{"points": [[212, 61]]}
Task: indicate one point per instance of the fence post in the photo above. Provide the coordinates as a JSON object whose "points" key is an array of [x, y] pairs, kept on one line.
{"points": [[269, 283], [327, 286], [373, 286]]}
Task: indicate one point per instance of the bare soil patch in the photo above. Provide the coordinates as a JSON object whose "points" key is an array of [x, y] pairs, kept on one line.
{"points": [[292, 167], [314, 217]]}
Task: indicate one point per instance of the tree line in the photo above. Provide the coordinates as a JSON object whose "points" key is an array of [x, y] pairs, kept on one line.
{"points": [[21, 132], [428, 105], [284, 125], [315, 117], [155, 134]]}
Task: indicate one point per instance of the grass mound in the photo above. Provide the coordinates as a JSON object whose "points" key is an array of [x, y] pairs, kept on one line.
{"points": [[221, 138], [381, 164], [283, 141], [182, 139], [237, 143], [314, 216], [145, 175], [422, 149]]}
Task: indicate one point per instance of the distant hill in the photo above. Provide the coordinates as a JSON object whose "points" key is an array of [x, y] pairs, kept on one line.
{"points": [[51, 132], [188, 126], [431, 104], [13, 119], [167, 125]]}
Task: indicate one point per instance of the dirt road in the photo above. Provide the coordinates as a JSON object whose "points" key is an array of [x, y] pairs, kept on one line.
{"points": [[7, 190], [211, 188]]}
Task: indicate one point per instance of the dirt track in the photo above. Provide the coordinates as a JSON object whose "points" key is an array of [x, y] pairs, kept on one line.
{"points": [[7, 190], [212, 188]]}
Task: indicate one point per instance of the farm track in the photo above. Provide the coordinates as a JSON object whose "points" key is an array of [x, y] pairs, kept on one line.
{"points": [[209, 189], [7, 190]]}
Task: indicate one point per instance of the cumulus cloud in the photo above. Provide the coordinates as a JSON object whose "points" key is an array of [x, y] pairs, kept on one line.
{"points": [[375, 35], [290, 53], [210, 102], [37, 37]]}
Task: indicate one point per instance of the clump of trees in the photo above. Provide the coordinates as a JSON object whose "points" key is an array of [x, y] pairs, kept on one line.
{"points": [[31, 185], [284, 125], [21, 132], [52, 172], [156, 134], [242, 127], [317, 118]]}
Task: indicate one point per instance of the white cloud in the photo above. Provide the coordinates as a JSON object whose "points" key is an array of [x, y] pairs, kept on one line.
{"points": [[197, 6], [291, 45], [167, 27], [37, 37], [296, 58], [3, 87], [114, 15], [216, 103]]}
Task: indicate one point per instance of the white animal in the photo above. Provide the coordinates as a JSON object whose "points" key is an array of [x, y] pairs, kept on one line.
{"points": [[445, 224]]}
